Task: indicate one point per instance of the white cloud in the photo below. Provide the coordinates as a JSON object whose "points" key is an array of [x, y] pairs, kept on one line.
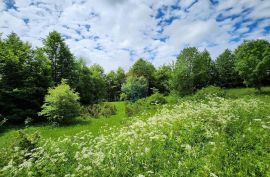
{"points": [[106, 31]]}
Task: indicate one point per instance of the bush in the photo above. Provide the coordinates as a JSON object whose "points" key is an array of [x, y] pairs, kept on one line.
{"points": [[61, 103], [26, 142], [132, 109], [149, 103], [210, 91], [135, 88], [156, 98], [98, 110]]}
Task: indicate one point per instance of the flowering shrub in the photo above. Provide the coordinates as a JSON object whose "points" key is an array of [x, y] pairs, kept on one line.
{"points": [[220, 137]]}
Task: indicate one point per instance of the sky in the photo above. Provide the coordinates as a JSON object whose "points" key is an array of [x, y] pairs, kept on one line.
{"points": [[116, 33]]}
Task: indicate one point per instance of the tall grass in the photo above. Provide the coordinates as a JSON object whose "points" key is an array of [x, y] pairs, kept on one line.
{"points": [[217, 137]]}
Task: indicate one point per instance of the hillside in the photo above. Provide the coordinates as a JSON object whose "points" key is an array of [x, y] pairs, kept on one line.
{"points": [[209, 137]]}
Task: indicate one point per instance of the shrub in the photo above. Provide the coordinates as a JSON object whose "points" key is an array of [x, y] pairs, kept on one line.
{"points": [[98, 110], [135, 88], [123, 97], [156, 98], [210, 91], [61, 103], [141, 105], [108, 110], [132, 109], [26, 142]]}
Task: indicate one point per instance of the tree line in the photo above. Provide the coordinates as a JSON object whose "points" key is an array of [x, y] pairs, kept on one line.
{"points": [[27, 73]]}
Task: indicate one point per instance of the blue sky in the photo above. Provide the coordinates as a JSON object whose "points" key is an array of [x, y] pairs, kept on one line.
{"points": [[115, 33]]}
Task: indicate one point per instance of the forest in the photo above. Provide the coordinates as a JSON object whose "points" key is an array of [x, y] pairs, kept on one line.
{"points": [[196, 116]]}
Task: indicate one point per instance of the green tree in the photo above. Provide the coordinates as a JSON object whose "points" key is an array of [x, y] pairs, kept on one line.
{"points": [[225, 64], [99, 82], [253, 62], [25, 75], [146, 69], [62, 60], [162, 78], [89, 83], [135, 88], [61, 103], [114, 81], [193, 70]]}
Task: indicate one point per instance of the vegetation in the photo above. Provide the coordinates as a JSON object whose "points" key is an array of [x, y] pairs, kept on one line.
{"points": [[177, 120], [99, 110], [220, 137], [135, 88], [193, 71], [253, 63], [61, 103], [227, 75]]}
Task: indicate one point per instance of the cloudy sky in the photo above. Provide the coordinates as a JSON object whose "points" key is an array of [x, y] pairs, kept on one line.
{"points": [[117, 32]]}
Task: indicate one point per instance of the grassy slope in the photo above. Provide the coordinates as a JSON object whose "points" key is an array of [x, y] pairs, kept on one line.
{"points": [[47, 131], [97, 125]]}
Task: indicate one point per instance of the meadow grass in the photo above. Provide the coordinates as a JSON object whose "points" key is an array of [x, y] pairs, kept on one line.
{"points": [[206, 137], [93, 125]]}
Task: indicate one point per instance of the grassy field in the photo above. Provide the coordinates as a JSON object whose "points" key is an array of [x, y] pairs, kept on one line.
{"points": [[93, 125], [97, 125], [214, 136]]}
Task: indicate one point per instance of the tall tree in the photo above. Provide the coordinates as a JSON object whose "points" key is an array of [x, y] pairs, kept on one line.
{"points": [[25, 75], [135, 88], [162, 78], [227, 75], [114, 81], [62, 60], [90, 82], [253, 62], [146, 69], [99, 81], [193, 70]]}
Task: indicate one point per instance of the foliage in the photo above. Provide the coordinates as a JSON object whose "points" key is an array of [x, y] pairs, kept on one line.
{"points": [[142, 105], [62, 60], [193, 70], [132, 109], [143, 68], [208, 92], [114, 81], [25, 75], [253, 63], [26, 142], [135, 88], [162, 78], [61, 103], [227, 76], [220, 137], [89, 83], [99, 110], [99, 85], [156, 98]]}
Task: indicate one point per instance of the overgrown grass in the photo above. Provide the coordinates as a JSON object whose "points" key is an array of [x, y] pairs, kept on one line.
{"points": [[217, 137], [205, 137], [240, 92], [95, 126]]}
